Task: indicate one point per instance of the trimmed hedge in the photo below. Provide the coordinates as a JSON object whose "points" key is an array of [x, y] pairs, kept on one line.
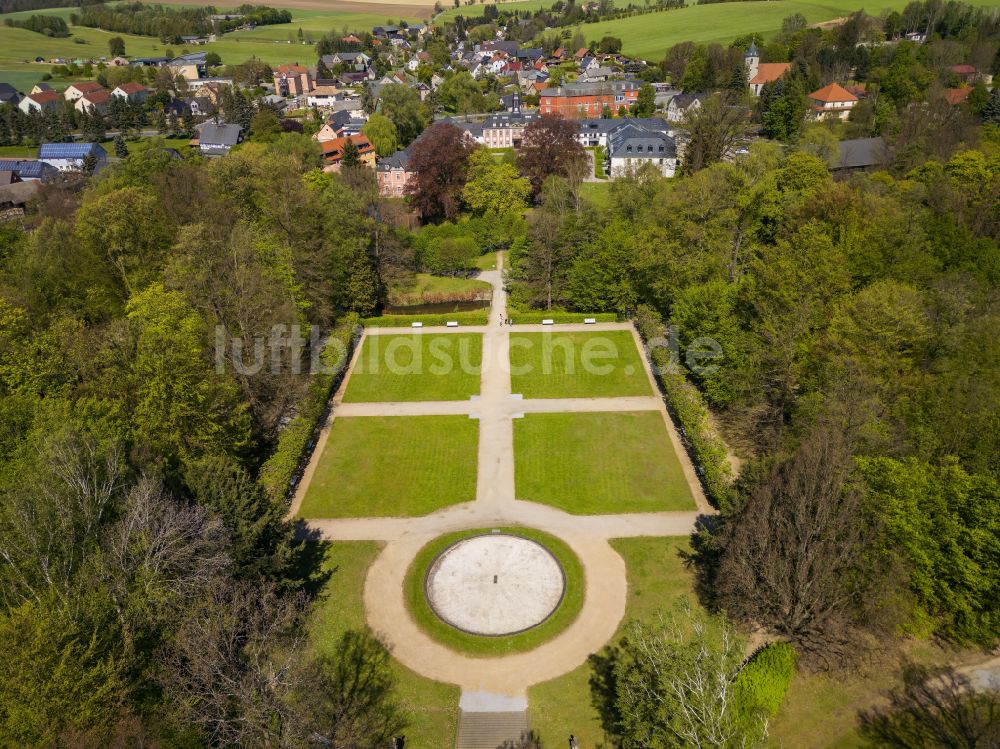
{"points": [[762, 683], [534, 317], [281, 472], [688, 408], [473, 317]]}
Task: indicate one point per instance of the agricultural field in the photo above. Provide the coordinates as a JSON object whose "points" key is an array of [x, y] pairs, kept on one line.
{"points": [[576, 365], [638, 469], [416, 368], [273, 44], [394, 466], [649, 35]]}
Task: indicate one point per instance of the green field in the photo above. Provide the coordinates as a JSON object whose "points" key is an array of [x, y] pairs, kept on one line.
{"points": [[658, 583], [394, 466], [576, 365], [599, 463], [562, 617], [417, 367], [650, 34], [272, 44], [432, 706]]}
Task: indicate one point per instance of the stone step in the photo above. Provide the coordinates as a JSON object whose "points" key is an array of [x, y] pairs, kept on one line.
{"points": [[489, 730]]}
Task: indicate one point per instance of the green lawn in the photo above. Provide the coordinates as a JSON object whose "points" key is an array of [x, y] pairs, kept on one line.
{"points": [[463, 642], [599, 463], [487, 261], [18, 152], [598, 193], [432, 706], [657, 582], [394, 466], [576, 365], [416, 367]]}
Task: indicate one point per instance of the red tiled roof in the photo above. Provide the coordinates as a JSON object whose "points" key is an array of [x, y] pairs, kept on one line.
{"points": [[333, 150], [768, 72], [43, 97], [132, 87], [291, 69], [582, 52], [833, 92], [97, 97], [963, 69], [956, 96], [87, 86]]}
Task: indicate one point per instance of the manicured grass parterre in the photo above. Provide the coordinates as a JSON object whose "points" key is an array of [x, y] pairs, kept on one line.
{"points": [[555, 364], [562, 617], [658, 583], [416, 367], [599, 463], [394, 466], [432, 707]]}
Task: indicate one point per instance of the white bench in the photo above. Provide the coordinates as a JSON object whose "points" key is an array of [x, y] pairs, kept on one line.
{"points": [[416, 325], [589, 320], [548, 322], [452, 324]]}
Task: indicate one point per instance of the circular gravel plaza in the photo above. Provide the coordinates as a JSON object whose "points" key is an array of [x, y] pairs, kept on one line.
{"points": [[495, 584]]}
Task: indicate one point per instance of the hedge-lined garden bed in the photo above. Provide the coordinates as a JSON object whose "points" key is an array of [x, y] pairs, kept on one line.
{"points": [[474, 317], [281, 471], [534, 317], [688, 408]]}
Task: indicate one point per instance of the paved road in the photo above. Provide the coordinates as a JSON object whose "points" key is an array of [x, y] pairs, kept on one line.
{"points": [[496, 505]]}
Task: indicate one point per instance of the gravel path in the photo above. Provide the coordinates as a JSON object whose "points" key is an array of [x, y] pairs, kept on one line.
{"points": [[496, 505]]}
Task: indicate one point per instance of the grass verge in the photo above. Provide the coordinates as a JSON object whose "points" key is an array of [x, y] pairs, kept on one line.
{"points": [[475, 317], [394, 466], [463, 642]]}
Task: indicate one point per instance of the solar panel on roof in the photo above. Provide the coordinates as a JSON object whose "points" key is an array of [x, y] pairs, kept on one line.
{"points": [[66, 150]]}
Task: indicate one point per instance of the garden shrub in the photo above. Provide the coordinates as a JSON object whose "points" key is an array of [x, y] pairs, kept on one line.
{"points": [[281, 471], [761, 685]]}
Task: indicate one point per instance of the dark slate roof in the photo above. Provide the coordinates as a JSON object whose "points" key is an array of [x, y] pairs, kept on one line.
{"points": [[509, 119], [475, 129], [591, 88], [861, 152], [27, 168], [399, 160], [69, 150], [637, 142], [683, 101], [656, 124], [530, 54], [337, 120], [192, 58], [219, 135], [8, 93]]}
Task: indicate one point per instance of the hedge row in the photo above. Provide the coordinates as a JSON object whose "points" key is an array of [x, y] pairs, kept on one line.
{"points": [[762, 683], [281, 472], [688, 408], [534, 317], [473, 317]]}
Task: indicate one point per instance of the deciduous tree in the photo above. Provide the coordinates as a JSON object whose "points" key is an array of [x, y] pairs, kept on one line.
{"points": [[439, 161]]}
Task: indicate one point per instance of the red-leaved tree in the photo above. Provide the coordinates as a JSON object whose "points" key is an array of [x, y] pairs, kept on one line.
{"points": [[549, 146], [439, 159]]}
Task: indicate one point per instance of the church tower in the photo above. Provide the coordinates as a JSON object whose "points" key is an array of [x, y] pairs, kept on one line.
{"points": [[752, 59]]}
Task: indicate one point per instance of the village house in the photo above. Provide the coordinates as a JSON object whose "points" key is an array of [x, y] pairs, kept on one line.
{"points": [[132, 92], [682, 105], [218, 139], [190, 67], [46, 101], [77, 90], [333, 152], [632, 145], [760, 73], [588, 99], [292, 80], [95, 101], [506, 129], [8, 94], [356, 61], [39, 88], [71, 157], [966, 74], [393, 174], [832, 102]]}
